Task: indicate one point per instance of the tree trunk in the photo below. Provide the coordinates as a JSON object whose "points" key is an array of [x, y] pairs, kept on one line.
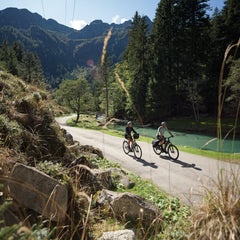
{"points": [[78, 114]]}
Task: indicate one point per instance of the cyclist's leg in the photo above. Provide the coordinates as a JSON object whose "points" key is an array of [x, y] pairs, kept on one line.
{"points": [[161, 140]]}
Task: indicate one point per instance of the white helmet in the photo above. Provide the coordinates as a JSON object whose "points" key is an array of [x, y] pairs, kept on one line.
{"points": [[163, 123]]}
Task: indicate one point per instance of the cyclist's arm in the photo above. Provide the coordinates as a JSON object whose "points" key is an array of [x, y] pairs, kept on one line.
{"points": [[134, 130], [170, 133]]}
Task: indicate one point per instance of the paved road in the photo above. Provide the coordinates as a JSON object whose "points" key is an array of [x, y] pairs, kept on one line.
{"points": [[185, 177]]}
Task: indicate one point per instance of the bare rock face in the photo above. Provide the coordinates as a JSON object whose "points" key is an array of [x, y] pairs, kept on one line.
{"points": [[38, 191], [118, 235], [131, 206]]}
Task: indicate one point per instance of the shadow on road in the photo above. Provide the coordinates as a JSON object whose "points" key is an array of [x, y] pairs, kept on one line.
{"points": [[144, 162], [183, 164]]}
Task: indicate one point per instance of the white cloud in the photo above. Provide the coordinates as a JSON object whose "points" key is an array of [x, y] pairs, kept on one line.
{"points": [[123, 20], [78, 24], [115, 19]]}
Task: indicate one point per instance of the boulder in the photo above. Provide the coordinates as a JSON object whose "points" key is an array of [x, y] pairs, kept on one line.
{"points": [[96, 179], [38, 191], [68, 137], [90, 149], [118, 235], [131, 206], [122, 177], [104, 177]]}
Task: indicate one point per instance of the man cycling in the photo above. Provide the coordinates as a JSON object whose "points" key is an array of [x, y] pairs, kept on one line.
{"points": [[160, 133], [129, 129]]}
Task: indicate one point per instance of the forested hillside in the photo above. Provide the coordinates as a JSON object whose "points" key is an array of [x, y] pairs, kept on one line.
{"points": [[60, 48], [175, 69]]}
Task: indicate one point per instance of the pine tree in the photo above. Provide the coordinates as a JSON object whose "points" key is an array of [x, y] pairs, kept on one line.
{"points": [[137, 58], [12, 63], [31, 69], [161, 85]]}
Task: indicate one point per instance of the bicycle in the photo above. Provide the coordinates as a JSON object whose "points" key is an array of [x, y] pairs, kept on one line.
{"points": [[166, 147], [135, 147]]}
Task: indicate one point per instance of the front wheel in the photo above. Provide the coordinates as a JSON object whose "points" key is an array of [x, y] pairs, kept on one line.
{"points": [[137, 151], [173, 152], [125, 147]]}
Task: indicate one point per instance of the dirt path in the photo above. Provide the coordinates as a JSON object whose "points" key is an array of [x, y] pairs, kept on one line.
{"points": [[184, 177]]}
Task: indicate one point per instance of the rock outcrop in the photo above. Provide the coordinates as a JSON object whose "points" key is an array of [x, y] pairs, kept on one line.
{"points": [[38, 191], [130, 206]]}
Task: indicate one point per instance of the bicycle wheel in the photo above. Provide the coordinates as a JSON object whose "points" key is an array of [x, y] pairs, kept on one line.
{"points": [[137, 151], [125, 147], [173, 152], [157, 150]]}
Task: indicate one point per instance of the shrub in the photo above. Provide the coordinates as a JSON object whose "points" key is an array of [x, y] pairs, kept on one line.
{"points": [[10, 133]]}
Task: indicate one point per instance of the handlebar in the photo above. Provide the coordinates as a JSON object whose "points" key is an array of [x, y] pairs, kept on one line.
{"points": [[169, 137]]}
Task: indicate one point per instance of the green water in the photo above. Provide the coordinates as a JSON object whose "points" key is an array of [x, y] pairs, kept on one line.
{"points": [[190, 140]]}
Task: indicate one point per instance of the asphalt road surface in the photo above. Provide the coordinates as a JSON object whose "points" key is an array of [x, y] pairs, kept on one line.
{"points": [[186, 177]]}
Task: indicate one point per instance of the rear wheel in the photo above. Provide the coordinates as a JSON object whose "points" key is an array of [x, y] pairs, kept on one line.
{"points": [[157, 149], [125, 147], [173, 152], [137, 151]]}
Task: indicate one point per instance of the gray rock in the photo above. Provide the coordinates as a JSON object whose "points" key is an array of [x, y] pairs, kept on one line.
{"points": [[122, 177], [38, 191], [90, 149], [106, 197], [104, 177], [69, 139], [118, 235], [131, 206]]}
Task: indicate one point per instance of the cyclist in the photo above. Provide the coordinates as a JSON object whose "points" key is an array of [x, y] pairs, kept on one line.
{"points": [[129, 129], [160, 133]]}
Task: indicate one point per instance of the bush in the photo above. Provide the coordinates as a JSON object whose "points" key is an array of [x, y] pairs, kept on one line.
{"points": [[11, 133]]}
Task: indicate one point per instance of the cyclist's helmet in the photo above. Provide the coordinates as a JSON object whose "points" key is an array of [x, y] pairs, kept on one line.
{"points": [[129, 123], [163, 123]]}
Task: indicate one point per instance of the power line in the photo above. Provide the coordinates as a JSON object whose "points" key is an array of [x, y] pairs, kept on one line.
{"points": [[74, 3], [43, 9], [66, 12]]}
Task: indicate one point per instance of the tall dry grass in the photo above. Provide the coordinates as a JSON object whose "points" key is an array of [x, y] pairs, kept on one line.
{"points": [[219, 215]]}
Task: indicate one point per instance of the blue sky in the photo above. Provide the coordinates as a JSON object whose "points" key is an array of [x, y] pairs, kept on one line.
{"points": [[78, 13]]}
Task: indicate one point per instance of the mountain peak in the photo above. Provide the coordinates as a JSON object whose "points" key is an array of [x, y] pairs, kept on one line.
{"points": [[24, 19], [98, 21]]}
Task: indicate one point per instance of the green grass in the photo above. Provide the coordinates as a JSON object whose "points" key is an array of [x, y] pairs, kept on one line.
{"points": [[206, 125], [176, 224], [89, 122]]}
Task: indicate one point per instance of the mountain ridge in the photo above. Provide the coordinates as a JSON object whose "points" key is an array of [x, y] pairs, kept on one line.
{"points": [[61, 48]]}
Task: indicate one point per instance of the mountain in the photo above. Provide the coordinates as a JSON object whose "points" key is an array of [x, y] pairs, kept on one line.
{"points": [[24, 19], [61, 48]]}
